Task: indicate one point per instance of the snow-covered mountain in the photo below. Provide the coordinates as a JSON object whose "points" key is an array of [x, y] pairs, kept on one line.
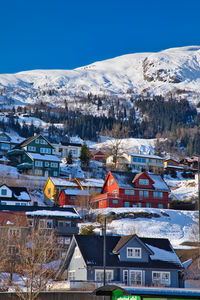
{"points": [[173, 71]]}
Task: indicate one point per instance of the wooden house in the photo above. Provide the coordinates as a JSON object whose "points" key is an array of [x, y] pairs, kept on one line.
{"points": [[127, 189]]}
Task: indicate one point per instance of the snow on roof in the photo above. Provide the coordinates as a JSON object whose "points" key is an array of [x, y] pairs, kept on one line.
{"points": [[146, 155], [160, 254], [56, 213], [23, 196], [76, 192], [187, 263], [44, 157], [92, 182], [62, 181], [159, 183]]}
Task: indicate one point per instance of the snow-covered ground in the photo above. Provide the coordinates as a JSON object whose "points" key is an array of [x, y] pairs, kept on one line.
{"points": [[178, 226]]}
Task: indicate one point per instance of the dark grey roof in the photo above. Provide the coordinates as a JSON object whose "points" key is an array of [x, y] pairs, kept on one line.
{"points": [[17, 191], [93, 255], [125, 180]]}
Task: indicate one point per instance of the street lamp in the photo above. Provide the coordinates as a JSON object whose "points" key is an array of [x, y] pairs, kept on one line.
{"points": [[110, 214]]}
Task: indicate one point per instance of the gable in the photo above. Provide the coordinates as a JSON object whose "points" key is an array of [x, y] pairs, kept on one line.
{"points": [[143, 180], [5, 191], [131, 248]]}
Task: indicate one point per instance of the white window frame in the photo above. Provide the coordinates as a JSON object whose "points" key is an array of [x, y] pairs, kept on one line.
{"points": [[101, 272], [133, 281], [160, 278], [134, 251], [125, 274], [143, 181], [71, 275], [39, 163], [77, 253]]}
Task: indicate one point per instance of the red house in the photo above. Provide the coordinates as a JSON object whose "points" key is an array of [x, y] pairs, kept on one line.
{"points": [[133, 189], [98, 156], [73, 197]]}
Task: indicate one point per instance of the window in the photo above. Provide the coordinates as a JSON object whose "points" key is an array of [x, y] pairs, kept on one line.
{"points": [[112, 181], [161, 277], [60, 223], [71, 275], [160, 205], [135, 277], [31, 148], [133, 252], [108, 182], [148, 205], [125, 277], [31, 222], [38, 163], [115, 193], [55, 173], [45, 150], [49, 191], [99, 275], [143, 181], [126, 204], [139, 204], [37, 141], [43, 142], [3, 192], [42, 224], [54, 165], [38, 172], [115, 201], [14, 232], [146, 194], [158, 194], [72, 197], [141, 193], [46, 164], [99, 190], [129, 192], [77, 253], [49, 224]]}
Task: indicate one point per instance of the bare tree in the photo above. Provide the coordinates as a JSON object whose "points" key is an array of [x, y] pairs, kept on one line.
{"points": [[34, 262], [115, 146]]}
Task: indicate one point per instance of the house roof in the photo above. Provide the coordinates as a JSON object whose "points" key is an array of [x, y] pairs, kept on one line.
{"points": [[57, 181], [19, 193], [167, 259], [45, 157], [30, 139], [91, 182], [55, 213], [126, 180], [76, 192], [13, 218], [146, 156]]}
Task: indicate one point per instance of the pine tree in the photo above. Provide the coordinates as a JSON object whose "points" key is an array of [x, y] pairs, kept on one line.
{"points": [[69, 158], [85, 156]]}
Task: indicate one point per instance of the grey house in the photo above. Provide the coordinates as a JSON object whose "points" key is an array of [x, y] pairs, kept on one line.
{"points": [[130, 260]]}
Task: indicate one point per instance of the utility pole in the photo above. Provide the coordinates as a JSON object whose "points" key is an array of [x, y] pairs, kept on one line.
{"points": [[199, 196]]}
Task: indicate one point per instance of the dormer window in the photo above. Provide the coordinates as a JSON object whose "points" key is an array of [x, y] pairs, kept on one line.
{"points": [[144, 181], [134, 252]]}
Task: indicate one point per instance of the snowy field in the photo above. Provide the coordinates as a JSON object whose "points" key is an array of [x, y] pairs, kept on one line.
{"points": [[178, 226]]}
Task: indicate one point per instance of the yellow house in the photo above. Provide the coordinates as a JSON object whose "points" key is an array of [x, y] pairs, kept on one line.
{"points": [[53, 186]]}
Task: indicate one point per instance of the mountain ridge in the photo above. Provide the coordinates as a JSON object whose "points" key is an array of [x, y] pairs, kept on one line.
{"points": [[171, 72]]}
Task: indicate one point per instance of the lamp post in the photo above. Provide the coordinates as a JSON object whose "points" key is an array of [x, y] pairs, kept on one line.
{"points": [[104, 245]]}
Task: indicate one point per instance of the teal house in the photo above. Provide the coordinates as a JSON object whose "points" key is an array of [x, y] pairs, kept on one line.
{"points": [[35, 156]]}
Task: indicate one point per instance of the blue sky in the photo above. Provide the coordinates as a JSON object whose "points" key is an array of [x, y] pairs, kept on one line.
{"points": [[65, 34]]}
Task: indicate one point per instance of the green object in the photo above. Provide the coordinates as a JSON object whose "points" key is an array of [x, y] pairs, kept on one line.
{"points": [[118, 295]]}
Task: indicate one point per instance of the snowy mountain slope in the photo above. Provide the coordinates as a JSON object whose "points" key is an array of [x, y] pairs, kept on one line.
{"points": [[173, 71], [131, 145]]}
